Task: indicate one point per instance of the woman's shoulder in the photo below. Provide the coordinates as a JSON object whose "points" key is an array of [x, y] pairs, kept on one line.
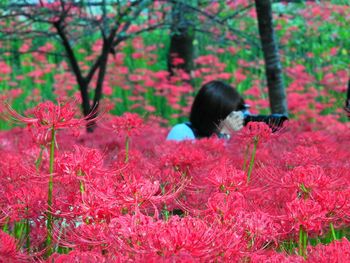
{"points": [[181, 131]]}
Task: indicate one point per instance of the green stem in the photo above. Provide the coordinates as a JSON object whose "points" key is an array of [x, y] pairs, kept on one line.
{"points": [[5, 228], [333, 231], [57, 248], [49, 200], [251, 164], [81, 182], [303, 240], [165, 210], [127, 142], [82, 188], [245, 157], [166, 213], [40, 158], [28, 232], [28, 235], [18, 230]]}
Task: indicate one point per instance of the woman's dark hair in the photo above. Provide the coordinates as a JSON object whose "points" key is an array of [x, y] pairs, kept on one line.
{"points": [[213, 103]]}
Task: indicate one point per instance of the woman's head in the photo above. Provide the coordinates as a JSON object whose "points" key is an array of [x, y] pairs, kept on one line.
{"points": [[214, 101]]}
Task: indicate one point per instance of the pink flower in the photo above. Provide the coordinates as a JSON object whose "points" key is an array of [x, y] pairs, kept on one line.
{"points": [[307, 180], [275, 257], [240, 76], [128, 123], [337, 251], [78, 256], [227, 206], [301, 156], [256, 131], [47, 116], [177, 61], [306, 213], [8, 248], [226, 177], [183, 157], [5, 69]]}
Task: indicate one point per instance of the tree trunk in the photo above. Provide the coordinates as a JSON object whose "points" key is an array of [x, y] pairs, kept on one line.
{"points": [[82, 82], [83, 87], [292, 1], [347, 102], [273, 67], [182, 36]]}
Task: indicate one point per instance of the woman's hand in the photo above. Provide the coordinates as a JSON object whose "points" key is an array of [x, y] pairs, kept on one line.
{"points": [[233, 122], [347, 107]]}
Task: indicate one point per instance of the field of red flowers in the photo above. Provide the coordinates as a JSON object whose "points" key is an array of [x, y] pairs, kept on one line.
{"points": [[124, 194]]}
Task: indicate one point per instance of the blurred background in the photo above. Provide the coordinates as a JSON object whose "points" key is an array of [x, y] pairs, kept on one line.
{"points": [[150, 57]]}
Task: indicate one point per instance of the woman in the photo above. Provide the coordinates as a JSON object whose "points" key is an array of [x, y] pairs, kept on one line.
{"points": [[217, 109]]}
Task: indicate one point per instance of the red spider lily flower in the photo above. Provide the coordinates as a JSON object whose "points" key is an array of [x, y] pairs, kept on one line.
{"points": [[78, 256], [259, 228], [226, 177], [171, 240], [188, 235], [139, 192], [301, 156], [336, 204], [183, 157], [8, 249], [85, 236], [176, 60], [225, 205], [256, 131], [306, 213], [337, 251], [76, 171], [82, 162], [240, 76], [275, 257], [18, 198], [5, 69], [47, 116], [307, 180], [128, 123]]}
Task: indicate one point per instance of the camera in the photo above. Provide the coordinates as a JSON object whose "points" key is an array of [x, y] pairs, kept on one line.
{"points": [[274, 121]]}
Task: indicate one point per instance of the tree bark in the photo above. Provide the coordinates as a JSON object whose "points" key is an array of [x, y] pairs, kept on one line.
{"points": [[181, 41], [347, 102], [273, 67], [82, 83], [292, 1]]}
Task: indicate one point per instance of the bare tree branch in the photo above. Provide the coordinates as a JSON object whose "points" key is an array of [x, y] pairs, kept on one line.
{"points": [[222, 22], [238, 12], [122, 38]]}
